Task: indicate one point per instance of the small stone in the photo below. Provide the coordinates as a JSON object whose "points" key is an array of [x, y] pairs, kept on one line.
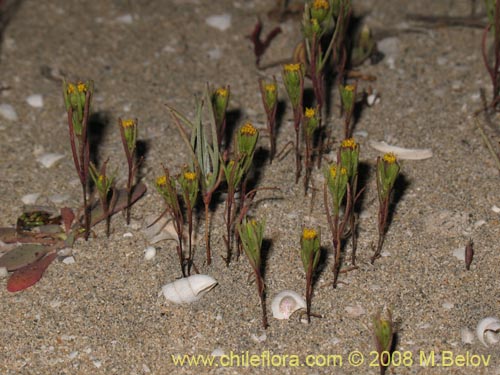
{"points": [[73, 355], [149, 253], [8, 112], [217, 352], [448, 305], [459, 253], [495, 209], [69, 260], [3, 272], [126, 19], [59, 198], [259, 339], [97, 363], [128, 235], [355, 311], [35, 100], [220, 22], [30, 198], [467, 335], [49, 159]]}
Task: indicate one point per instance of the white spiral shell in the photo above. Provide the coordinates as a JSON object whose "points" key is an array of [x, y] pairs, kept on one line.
{"points": [[488, 331], [188, 289], [285, 303]]}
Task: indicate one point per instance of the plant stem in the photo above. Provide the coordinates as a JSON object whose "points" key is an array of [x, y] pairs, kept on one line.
{"points": [[206, 201]]}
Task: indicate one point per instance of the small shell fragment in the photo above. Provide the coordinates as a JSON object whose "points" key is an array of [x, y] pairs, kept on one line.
{"points": [[467, 335], [495, 209], [285, 303], [402, 153], [8, 112], [488, 331], [188, 289], [49, 159]]}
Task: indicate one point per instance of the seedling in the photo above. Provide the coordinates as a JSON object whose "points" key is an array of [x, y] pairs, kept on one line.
{"points": [[220, 101], [293, 78], [128, 134], [77, 98], [311, 121], [383, 333], [205, 156], [269, 94], [166, 186], [260, 46], [235, 172], [189, 187], [310, 253], [251, 235], [387, 172], [103, 184], [348, 99]]}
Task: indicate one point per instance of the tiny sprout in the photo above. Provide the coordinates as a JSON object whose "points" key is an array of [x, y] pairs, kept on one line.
{"points": [[383, 333], [310, 254], [269, 94], [103, 184], [387, 172]]}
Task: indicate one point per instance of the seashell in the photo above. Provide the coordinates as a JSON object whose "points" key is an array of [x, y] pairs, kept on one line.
{"points": [[35, 100], [220, 22], [188, 289], [488, 331], [402, 153], [30, 198], [285, 303]]}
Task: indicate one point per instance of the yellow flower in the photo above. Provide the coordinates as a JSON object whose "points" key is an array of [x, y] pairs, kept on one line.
{"points": [[333, 171], [348, 143], [222, 91], [309, 234], [161, 181], [292, 67], [70, 88], [82, 87], [128, 123], [100, 178], [190, 176], [270, 87], [248, 129], [349, 88], [310, 112], [320, 4], [389, 158]]}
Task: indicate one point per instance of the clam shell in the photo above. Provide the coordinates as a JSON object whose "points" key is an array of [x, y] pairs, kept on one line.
{"points": [[188, 289], [285, 303], [488, 330], [402, 153]]}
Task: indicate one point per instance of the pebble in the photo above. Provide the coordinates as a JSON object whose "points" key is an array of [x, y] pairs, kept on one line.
{"points": [[217, 352], [459, 253], [35, 100], [128, 235], [448, 305], [8, 112], [214, 53], [467, 335], [220, 22], [355, 311], [49, 159], [3, 272], [73, 355], [495, 209], [259, 339], [30, 198], [149, 253], [126, 18], [59, 198], [69, 260]]}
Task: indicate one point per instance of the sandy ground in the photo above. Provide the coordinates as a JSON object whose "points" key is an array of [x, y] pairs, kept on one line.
{"points": [[102, 315]]}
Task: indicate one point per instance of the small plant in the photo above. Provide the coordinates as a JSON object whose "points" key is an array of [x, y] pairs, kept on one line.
{"points": [[293, 78], [103, 184], [77, 98], [189, 187], [387, 172], [269, 94], [166, 186], [235, 171], [348, 99], [383, 333], [220, 101], [251, 234], [205, 156], [311, 122], [310, 254], [128, 134]]}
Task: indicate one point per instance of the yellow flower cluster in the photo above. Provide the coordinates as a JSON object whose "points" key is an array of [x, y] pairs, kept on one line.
{"points": [[270, 87], [190, 176], [309, 234], [333, 171], [320, 4], [82, 87], [310, 112], [348, 143], [389, 158], [292, 68], [349, 88], [161, 181], [248, 129], [222, 91], [128, 123]]}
